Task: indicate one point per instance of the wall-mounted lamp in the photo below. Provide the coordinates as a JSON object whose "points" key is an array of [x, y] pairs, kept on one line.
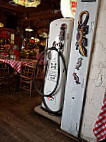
{"points": [[1, 24], [28, 29]]}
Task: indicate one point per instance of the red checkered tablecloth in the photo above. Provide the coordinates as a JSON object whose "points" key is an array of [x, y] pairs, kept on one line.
{"points": [[100, 125], [16, 64], [4, 55]]}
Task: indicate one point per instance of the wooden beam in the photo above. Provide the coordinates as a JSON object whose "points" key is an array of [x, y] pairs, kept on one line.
{"points": [[7, 29], [11, 7]]}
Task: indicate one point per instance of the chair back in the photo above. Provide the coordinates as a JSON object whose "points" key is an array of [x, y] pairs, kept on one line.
{"points": [[4, 70], [27, 71]]}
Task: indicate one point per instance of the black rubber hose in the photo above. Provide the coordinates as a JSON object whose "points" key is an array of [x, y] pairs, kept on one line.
{"points": [[58, 113], [58, 77], [63, 60]]}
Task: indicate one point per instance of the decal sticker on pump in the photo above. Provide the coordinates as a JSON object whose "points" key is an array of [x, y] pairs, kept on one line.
{"points": [[53, 65], [59, 40], [51, 98], [52, 75], [53, 71]]}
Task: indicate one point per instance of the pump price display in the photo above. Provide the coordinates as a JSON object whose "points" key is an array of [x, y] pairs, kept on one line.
{"points": [[52, 75]]}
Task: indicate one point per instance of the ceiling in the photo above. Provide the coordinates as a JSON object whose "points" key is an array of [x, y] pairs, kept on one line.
{"points": [[38, 17], [45, 5]]}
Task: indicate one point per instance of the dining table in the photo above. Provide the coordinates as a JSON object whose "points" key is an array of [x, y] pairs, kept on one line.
{"points": [[16, 64]]}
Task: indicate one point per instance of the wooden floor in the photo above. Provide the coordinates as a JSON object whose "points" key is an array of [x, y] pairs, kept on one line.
{"points": [[19, 122]]}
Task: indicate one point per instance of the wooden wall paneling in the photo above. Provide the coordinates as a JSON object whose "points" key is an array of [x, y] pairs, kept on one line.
{"points": [[38, 20], [3, 19]]}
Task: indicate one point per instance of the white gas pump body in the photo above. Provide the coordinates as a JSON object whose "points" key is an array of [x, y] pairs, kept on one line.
{"points": [[55, 102]]}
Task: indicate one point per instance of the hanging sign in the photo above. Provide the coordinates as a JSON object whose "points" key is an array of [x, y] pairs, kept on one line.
{"points": [[20, 2], [68, 8], [27, 3], [73, 7]]}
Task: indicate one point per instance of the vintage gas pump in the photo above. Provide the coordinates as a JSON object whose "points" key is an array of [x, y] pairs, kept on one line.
{"points": [[58, 52]]}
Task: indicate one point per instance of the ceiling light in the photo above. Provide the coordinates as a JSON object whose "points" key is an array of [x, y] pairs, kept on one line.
{"points": [[28, 29], [32, 38], [27, 3]]}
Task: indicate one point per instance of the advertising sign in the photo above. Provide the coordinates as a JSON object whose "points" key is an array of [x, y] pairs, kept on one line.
{"points": [[68, 8], [73, 7]]}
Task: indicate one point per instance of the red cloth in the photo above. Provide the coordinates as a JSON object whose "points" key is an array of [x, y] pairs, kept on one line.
{"points": [[4, 55], [100, 125], [16, 53], [18, 40]]}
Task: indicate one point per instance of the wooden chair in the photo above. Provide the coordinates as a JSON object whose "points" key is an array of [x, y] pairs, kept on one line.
{"points": [[4, 74], [40, 72], [26, 78]]}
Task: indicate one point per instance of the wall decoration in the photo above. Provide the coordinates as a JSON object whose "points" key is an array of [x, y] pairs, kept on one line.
{"points": [[76, 78], [82, 30], [79, 63]]}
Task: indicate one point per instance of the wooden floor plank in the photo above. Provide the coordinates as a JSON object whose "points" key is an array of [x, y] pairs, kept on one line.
{"points": [[19, 122]]}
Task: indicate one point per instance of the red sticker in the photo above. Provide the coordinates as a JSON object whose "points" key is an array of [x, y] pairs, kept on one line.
{"points": [[73, 6], [51, 98]]}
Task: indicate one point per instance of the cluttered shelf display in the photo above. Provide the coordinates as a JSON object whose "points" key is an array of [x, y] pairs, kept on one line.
{"points": [[5, 48], [32, 48], [26, 48], [31, 51], [2, 42], [6, 42]]}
